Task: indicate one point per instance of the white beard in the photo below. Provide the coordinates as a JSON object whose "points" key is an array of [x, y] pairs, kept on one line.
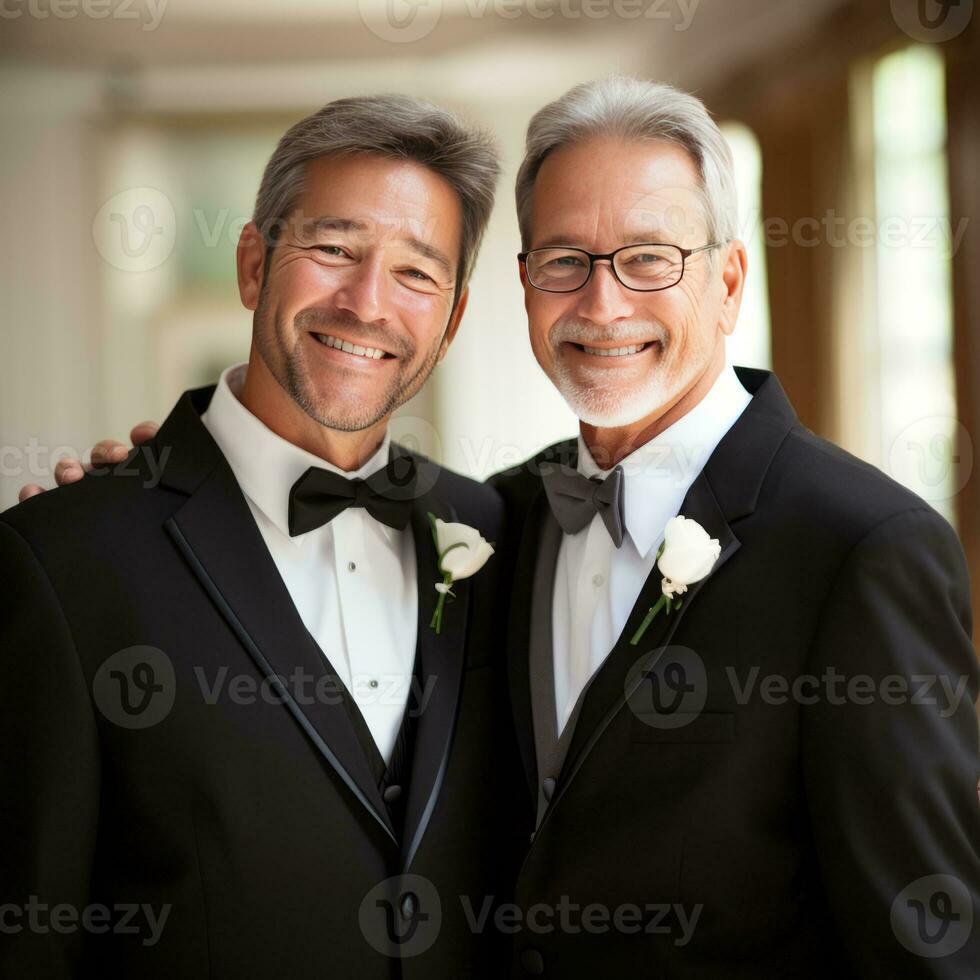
{"points": [[609, 408], [599, 403]]}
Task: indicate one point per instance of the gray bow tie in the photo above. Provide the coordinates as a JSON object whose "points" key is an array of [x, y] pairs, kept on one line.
{"points": [[575, 499]]}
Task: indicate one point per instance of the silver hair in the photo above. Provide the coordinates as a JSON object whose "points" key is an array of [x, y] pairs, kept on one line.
{"points": [[633, 109], [394, 126]]}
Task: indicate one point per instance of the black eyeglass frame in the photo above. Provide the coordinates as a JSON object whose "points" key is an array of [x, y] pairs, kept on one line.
{"points": [[594, 257]]}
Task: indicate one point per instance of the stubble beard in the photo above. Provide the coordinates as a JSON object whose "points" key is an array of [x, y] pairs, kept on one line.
{"points": [[290, 368]]}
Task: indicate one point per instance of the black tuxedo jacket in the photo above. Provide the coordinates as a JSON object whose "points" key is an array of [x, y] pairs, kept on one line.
{"points": [[183, 791], [768, 784]]}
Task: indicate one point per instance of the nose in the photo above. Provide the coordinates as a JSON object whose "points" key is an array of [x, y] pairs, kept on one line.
{"points": [[364, 290], [604, 298]]}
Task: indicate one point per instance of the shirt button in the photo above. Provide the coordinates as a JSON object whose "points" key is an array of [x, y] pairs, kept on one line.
{"points": [[351, 566], [372, 683], [598, 579]]}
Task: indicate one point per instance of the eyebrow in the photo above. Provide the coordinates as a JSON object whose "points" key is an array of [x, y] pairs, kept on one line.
{"points": [[331, 223], [650, 236]]}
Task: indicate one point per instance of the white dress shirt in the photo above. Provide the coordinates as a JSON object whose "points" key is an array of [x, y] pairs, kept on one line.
{"points": [[597, 584], [353, 581]]}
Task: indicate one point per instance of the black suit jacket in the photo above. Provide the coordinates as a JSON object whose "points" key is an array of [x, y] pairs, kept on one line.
{"points": [[739, 826], [228, 819]]}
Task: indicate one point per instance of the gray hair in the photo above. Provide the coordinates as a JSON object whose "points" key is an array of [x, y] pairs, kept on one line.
{"points": [[394, 126], [635, 110]]}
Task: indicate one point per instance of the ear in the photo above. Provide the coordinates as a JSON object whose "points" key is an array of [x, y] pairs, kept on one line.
{"points": [[522, 272], [454, 319], [250, 260], [733, 282], [527, 287]]}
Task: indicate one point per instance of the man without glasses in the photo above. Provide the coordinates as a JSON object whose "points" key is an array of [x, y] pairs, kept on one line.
{"points": [[309, 782]]}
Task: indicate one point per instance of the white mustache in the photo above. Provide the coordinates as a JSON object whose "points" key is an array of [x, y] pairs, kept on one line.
{"points": [[575, 331]]}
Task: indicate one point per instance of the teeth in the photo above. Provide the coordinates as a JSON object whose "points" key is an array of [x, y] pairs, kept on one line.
{"points": [[613, 351], [345, 345]]}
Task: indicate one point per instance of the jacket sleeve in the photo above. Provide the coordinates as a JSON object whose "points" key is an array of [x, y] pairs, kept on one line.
{"points": [[890, 753], [49, 775]]}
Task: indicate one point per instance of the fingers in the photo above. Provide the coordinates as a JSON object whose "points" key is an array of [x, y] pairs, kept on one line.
{"points": [[67, 471], [104, 453], [29, 490], [143, 432], [108, 451]]}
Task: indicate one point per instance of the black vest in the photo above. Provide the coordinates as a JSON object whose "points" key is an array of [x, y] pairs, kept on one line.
{"points": [[392, 778]]}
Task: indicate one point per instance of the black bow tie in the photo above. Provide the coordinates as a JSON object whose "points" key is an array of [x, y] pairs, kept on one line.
{"points": [[575, 499], [318, 496]]}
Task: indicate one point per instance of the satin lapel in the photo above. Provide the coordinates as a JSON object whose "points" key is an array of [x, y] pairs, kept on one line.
{"points": [[217, 536], [519, 636], [607, 692], [442, 658]]}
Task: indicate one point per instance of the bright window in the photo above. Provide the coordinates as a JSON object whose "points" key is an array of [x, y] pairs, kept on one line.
{"points": [[915, 244]]}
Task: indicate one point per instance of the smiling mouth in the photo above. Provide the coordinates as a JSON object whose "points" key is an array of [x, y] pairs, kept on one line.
{"points": [[357, 350], [624, 351]]}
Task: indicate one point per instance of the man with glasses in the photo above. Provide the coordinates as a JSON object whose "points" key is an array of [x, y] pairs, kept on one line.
{"points": [[717, 616]]}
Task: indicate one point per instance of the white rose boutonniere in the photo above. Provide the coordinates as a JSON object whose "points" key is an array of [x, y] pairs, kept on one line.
{"points": [[685, 557], [462, 551]]}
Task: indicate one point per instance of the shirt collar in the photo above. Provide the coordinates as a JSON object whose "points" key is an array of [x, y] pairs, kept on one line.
{"points": [[660, 472], [265, 465]]}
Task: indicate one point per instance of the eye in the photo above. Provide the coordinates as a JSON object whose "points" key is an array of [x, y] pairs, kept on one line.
{"points": [[419, 275], [646, 258], [332, 251], [566, 260]]}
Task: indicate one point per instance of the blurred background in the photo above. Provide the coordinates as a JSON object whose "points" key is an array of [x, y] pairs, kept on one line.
{"points": [[134, 134]]}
